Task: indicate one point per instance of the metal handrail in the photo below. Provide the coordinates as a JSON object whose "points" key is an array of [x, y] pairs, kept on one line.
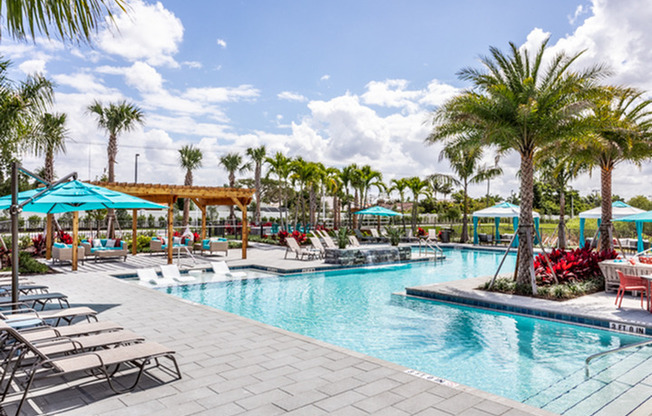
{"points": [[626, 347], [434, 247]]}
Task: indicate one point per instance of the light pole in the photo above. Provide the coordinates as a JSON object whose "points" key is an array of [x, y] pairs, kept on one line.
{"points": [[136, 168]]}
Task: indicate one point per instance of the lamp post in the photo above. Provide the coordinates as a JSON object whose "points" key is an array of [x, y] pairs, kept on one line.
{"points": [[136, 168]]}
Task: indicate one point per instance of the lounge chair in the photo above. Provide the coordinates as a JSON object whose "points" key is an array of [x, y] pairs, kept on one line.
{"points": [[103, 363], [39, 299], [317, 245], [77, 330], [221, 268], [171, 271], [432, 235], [293, 247], [378, 237], [353, 241], [328, 240], [25, 289], [19, 315], [363, 238], [150, 276]]}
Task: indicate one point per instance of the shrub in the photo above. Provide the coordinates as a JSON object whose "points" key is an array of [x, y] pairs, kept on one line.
{"points": [[570, 266], [39, 244], [64, 237], [29, 264]]}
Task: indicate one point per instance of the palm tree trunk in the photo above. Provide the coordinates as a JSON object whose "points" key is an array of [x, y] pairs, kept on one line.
{"points": [[313, 205], [415, 212], [403, 215], [232, 185], [257, 184], [356, 202], [112, 151], [606, 242], [49, 165], [561, 232], [525, 282], [186, 201], [465, 218]]}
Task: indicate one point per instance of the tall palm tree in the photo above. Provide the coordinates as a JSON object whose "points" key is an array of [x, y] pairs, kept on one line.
{"points": [[622, 122], [518, 104], [306, 175], [232, 163], [399, 185], [418, 187], [49, 138], [333, 185], [115, 119], [465, 162], [350, 177], [280, 165], [68, 20], [257, 156], [190, 158], [559, 171]]}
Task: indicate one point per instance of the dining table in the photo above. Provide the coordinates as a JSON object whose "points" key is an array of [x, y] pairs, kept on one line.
{"points": [[648, 281]]}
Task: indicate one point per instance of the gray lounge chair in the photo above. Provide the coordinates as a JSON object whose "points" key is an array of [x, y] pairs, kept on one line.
{"points": [[103, 363], [19, 315], [39, 299]]}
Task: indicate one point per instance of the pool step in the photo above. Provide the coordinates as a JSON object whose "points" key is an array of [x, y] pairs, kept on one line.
{"points": [[623, 376]]}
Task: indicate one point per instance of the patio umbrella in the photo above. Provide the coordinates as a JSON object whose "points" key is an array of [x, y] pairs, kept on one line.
{"points": [[77, 196], [379, 212], [71, 196]]}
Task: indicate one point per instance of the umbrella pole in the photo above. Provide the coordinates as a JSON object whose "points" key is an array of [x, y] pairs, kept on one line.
{"points": [[75, 238], [15, 210]]}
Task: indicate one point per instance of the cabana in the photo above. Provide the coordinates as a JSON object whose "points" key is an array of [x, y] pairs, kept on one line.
{"points": [[502, 210], [619, 209], [638, 219]]}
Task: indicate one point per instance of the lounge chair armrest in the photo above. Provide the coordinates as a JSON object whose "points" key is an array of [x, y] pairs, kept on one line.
{"points": [[48, 342]]}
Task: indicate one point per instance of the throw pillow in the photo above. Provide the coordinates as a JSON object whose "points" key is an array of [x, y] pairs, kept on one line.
{"points": [[110, 243], [176, 240], [97, 243], [118, 243]]}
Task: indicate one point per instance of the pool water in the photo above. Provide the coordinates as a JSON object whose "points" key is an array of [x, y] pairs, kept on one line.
{"points": [[531, 360]]}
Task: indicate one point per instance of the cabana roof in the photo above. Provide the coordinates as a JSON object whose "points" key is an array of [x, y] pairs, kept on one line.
{"points": [[619, 209], [203, 196], [502, 210]]}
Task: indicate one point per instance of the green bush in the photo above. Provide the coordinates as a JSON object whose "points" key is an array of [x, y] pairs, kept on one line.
{"points": [[29, 264]]}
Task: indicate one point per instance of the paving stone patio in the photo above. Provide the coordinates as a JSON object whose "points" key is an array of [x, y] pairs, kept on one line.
{"points": [[235, 366]]}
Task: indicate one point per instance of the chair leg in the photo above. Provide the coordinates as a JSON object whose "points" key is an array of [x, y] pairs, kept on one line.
{"points": [[618, 295]]}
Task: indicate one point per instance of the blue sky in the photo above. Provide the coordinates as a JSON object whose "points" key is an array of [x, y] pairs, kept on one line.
{"points": [[337, 82]]}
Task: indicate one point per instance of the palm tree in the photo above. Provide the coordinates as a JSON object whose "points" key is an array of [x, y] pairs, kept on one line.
{"points": [[418, 187], [232, 163], [622, 132], [516, 104], [333, 185], [306, 175], [350, 179], [399, 185], [465, 162], [69, 20], [257, 156], [115, 119], [559, 171], [190, 158], [281, 167]]}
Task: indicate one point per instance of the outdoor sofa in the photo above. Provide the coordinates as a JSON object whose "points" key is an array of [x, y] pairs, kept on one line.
{"points": [[105, 248], [159, 244], [63, 252], [215, 245]]}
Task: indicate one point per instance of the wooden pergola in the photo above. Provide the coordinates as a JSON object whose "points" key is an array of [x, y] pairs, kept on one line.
{"points": [[202, 196]]}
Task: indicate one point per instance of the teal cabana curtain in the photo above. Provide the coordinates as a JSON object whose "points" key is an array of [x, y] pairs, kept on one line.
{"points": [[476, 240], [582, 222], [497, 224], [536, 227], [515, 226], [639, 231]]}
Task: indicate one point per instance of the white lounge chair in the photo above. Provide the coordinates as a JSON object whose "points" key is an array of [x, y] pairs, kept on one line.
{"points": [[294, 247], [150, 276], [221, 268], [354, 241], [171, 271], [328, 240], [318, 246]]}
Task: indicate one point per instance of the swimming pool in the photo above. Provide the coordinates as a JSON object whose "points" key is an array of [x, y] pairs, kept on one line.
{"points": [[535, 361]]}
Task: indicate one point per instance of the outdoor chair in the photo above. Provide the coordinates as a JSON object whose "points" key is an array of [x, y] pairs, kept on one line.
{"points": [[432, 235], [77, 330], [38, 299], [171, 271], [328, 240], [221, 268], [354, 241], [19, 315], [378, 237], [363, 238], [318, 246], [104, 363], [63, 252], [630, 283], [25, 289], [293, 247], [215, 245], [150, 276]]}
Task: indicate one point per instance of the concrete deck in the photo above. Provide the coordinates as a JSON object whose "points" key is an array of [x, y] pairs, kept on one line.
{"points": [[235, 366]]}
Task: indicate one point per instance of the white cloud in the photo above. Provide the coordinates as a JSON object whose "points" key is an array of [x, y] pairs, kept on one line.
{"points": [[581, 10], [222, 94], [33, 66], [291, 96], [325, 77], [148, 32], [221, 43], [192, 64], [83, 82], [140, 76]]}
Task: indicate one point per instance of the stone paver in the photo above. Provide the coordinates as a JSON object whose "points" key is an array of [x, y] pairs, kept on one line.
{"points": [[220, 357]]}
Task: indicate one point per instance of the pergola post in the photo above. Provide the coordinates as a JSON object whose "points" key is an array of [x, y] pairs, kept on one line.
{"points": [[75, 232], [170, 230], [48, 237], [203, 221], [245, 231], [134, 232]]}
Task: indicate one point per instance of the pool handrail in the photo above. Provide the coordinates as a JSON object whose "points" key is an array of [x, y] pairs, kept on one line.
{"points": [[625, 347]]}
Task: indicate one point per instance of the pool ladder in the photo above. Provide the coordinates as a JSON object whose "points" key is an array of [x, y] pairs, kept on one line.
{"points": [[434, 247], [600, 354]]}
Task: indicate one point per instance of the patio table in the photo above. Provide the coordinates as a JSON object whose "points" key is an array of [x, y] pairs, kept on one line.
{"points": [[611, 279]]}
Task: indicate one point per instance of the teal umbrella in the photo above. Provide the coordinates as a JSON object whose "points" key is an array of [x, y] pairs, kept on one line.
{"points": [[380, 211], [77, 196]]}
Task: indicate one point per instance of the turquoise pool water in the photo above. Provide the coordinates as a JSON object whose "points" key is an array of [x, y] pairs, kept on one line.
{"points": [[522, 358]]}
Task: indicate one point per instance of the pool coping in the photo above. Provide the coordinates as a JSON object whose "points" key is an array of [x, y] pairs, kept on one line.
{"points": [[452, 292]]}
